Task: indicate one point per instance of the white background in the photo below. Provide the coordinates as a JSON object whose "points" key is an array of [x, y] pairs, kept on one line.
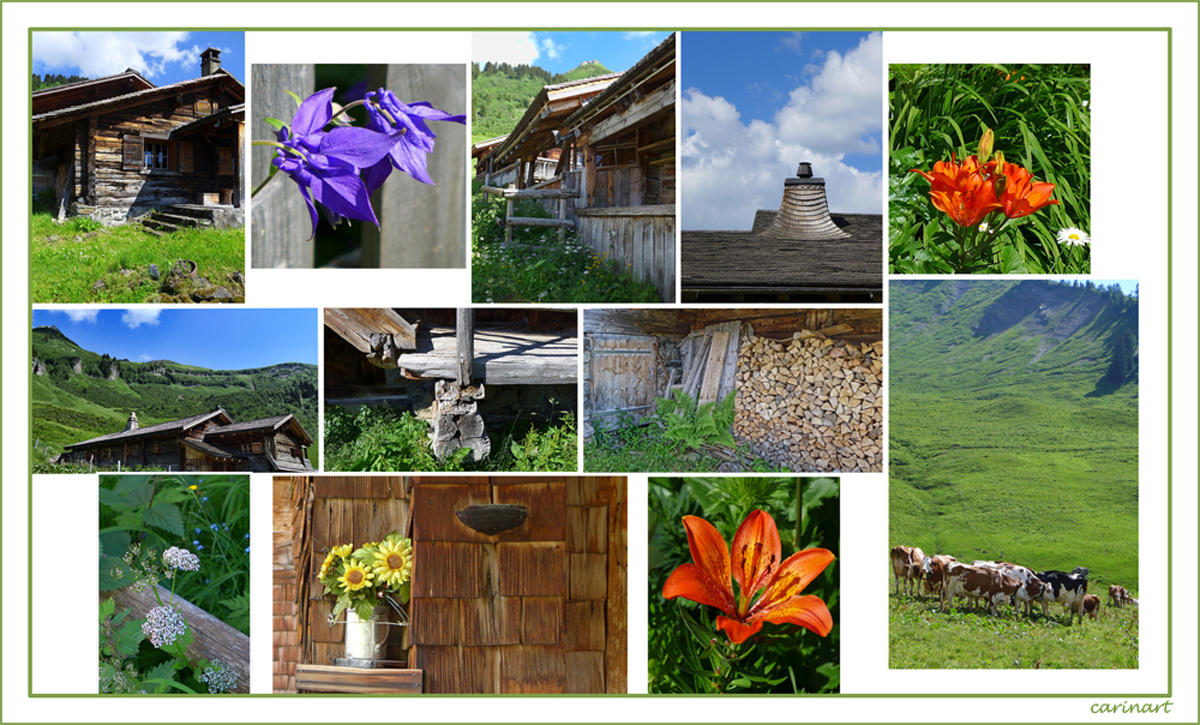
{"points": [[1129, 211]]}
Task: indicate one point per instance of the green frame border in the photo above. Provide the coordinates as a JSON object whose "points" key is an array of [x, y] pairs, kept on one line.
{"points": [[1170, 313]]}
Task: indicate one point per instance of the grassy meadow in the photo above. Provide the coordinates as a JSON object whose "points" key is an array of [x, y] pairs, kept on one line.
{"points": [[1009, 445], [66, 261]]}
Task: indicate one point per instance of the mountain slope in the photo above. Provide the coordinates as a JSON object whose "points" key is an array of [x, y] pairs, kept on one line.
{"points": [[79, 394], [1009, 436], [500, 93]]}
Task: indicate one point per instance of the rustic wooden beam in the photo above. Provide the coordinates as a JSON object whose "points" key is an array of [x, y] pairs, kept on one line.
{"points": [[645, 210], [358, 326], [501, 357], [213, 639], [529, 193], [533, 221], [464, 334], [359, 680], [641, 111]]}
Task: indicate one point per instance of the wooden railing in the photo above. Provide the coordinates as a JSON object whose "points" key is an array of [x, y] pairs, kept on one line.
{"points": [[560, 222]]}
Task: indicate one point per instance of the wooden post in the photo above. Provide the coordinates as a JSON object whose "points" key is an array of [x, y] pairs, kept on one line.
{"points": [[507, 227], [239, 186], [464, 335]]}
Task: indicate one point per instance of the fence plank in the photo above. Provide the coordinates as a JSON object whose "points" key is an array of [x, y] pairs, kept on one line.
{"points": [[279, 221]]}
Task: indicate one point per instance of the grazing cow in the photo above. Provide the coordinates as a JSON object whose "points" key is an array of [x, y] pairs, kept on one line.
{"points": [[1029, 592], [990, 585], [1066, 589], [1091, 606], [1119, 595], [933, 571], [906, 565]]}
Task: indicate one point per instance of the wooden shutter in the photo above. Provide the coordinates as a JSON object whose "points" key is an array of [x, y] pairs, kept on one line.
{"points": [[203, 107], [185, 157], [131, 157], [226, 162]]}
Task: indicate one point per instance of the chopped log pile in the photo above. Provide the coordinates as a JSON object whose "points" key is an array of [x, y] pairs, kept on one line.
{"points": [[812, 403]]}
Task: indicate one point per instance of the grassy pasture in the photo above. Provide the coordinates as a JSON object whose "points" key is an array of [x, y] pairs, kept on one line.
{"points": [[921, 636]]}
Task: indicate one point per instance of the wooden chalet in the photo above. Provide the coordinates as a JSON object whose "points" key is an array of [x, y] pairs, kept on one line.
{"points": [[119, 146], [808, 383], [536, 609], [615, 179], [206, 442]]}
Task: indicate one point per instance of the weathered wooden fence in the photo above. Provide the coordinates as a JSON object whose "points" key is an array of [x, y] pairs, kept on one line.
{"points": [[638, 239], [421, 226]]}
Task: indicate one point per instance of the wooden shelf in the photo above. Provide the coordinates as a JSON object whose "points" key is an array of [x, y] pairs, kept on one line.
{"points": [[359, 680]]}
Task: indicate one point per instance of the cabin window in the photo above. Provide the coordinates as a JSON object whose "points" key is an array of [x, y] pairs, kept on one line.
{"points": [[256, 447], [133, 450], [155, 155]]}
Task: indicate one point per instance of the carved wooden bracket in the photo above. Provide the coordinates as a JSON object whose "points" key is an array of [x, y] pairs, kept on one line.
{"points": [[491, 519]]}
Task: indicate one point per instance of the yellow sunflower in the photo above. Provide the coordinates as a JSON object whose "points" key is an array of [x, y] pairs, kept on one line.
{"points": [[355, 577], [325, 566], [343, 551], [393, 562]]}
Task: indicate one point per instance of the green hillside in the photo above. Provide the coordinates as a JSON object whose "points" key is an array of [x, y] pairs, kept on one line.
{"points": [[79, 394], [1013, 423], [501, 93]]}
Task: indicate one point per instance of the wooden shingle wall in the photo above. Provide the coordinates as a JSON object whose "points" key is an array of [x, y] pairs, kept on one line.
{"points": [[538, 609], [287, 522]]}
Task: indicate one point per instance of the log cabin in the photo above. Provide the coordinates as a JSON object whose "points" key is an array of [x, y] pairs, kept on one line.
{"points": [[807, 383], [209, 441], [119, 146], [614, 183]]}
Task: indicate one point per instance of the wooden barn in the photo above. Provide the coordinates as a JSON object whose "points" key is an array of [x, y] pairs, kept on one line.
{"points": [[541, 608], [808, 382], [119, 146], [615, 179], [523, 362], [206, 442]]}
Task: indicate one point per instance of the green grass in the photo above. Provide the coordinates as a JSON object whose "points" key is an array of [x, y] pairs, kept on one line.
{"points": [[66, 261], [538, 267], [920, 636], [632, 448], [378, 438], [1041, 120]]}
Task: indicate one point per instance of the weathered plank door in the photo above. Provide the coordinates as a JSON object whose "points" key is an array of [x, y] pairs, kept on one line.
{"points": [[537, 609], [620, 378]]}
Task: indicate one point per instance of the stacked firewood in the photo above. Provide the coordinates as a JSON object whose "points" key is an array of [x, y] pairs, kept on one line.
{"points": [[812, 403]]}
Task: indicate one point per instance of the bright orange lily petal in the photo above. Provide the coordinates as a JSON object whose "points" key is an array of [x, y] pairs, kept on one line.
{"points": [[692, 582], [736, 631], [756, 552], [808, 611], [794, 574], [707, 580]]}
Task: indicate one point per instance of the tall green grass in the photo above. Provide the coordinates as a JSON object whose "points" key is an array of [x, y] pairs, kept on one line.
{"points": [[1041, 118]]}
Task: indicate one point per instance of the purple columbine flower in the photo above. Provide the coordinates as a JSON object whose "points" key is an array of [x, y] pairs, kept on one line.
{"points": [[325, 164], [406, 126]]}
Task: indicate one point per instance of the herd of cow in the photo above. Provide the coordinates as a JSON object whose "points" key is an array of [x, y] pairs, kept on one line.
{"points": [[1000, 582]]}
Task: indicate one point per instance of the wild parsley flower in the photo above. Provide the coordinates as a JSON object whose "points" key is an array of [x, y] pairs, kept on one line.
{"points": [[164, 625], [411, 137], [325, 164]]}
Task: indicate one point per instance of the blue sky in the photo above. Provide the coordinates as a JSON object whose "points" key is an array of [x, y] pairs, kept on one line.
{"points": [[559, 52], [218, 339], [162, 57], [755, 104]]}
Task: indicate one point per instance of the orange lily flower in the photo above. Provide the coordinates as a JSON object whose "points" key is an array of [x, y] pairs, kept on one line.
{"points": [[963, 191], [1022, 195], [755, 566]]}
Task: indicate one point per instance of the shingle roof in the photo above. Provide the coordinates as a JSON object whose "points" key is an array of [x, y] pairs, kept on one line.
{"points": [[731, 260], [149, 430], [147, 93], [212, 450]]}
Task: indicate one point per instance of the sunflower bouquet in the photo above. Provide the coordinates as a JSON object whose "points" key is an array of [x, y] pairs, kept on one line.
{"points": [[362, 578]]}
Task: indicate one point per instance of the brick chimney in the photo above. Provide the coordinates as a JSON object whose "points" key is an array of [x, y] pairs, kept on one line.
{"points": [[132, 423], [804, 211], [210, 62]]}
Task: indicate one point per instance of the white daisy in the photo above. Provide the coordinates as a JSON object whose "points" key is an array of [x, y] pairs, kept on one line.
{"points": [[1073, 237]]}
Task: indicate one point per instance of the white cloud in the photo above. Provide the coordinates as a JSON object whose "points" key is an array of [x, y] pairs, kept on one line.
{"points": [[77, 315], [732, 168], [139, 317], [144, 357], [553, 50], [508, 47], [639, 34], [793, 43], [99, 54]]}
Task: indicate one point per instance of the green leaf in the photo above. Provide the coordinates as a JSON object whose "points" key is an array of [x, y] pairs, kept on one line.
{"points": [[295, 98], [161, 675], [164, 516], [275, 123], [129, 639]]}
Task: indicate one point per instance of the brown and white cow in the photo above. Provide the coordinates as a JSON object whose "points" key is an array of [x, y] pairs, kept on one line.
{"points": [[989, 585], [1119, 596], [933, 579], [1091, 606], [906, 565]]}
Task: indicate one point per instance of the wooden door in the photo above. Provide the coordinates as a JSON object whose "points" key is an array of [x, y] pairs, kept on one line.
{"points": [[621, 378]]}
